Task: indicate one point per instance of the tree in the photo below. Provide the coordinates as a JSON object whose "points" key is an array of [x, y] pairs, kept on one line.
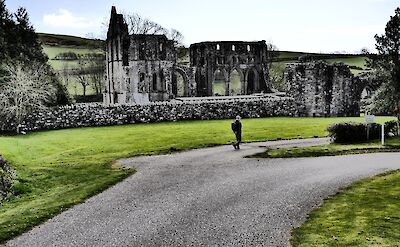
{"points": [[176, 36], [19, 44], [276, 75], [142, 25], [25, 89], [386, 65], [91, 72]]}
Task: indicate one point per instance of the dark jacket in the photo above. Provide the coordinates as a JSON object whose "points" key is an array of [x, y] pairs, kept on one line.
{"points": [[237, 126]]}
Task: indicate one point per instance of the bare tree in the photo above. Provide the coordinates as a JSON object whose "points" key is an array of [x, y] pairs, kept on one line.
{"points": [[96, 75], [84, 81], [91, 72], [64, 72], [176, 36], [142, 25], [138, 24], [26, 88]]}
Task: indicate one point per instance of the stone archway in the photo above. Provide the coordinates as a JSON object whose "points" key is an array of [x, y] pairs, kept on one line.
{"points": [[219, 84], [180, 83], [236, 81], [251, 85], [367, 92]]}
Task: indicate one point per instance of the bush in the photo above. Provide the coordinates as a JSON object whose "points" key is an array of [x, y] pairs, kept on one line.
{"points": [[66, 56], [349, 132], [391, 127]]}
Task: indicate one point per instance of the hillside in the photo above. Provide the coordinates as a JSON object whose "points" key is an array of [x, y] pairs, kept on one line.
{"points": [[67, 40]]}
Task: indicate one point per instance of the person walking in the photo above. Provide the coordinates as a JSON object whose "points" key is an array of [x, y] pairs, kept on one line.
{"points": [[237, 129]]}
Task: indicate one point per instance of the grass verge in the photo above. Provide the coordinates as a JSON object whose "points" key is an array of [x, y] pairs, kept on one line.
{"points": [[365, 214], [58, 169], [391, 145]]}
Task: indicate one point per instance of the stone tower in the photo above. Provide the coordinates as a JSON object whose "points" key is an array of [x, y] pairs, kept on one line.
{"points": [[116, 58]]}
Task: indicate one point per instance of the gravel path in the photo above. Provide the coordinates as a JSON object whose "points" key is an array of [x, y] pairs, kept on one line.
{"points": [[208, 197]]}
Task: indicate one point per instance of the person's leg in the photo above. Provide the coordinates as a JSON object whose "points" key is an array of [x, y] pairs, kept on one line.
{"points": [[238, 140]]}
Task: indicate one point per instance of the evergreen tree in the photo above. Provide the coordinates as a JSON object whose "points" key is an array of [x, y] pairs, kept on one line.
{"points": [[386, 65], [28, 46], [19, 45], [6, 25]]}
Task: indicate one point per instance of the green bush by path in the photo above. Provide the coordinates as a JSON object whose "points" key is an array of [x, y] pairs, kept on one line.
{"points": [[57, 169], [365, 214]]}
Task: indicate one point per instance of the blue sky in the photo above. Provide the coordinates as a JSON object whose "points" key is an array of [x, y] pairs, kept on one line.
{"points": [[297, 25]]}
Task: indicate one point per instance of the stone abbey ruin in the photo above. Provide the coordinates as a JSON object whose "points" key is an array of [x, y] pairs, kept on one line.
{"points": [[141, 85], [143, 68]]}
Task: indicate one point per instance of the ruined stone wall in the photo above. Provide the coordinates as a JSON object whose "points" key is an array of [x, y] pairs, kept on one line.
{"points": [[90, 115], [139, 67], [248, 58], [321, 89]]}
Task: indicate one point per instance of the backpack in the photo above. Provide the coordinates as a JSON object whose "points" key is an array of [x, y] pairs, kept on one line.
{"points": [[234, 127]]}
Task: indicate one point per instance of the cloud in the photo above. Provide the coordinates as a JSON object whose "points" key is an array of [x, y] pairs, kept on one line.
{"points": [[65, 19]]}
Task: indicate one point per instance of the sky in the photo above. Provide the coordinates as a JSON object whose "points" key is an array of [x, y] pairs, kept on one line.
{"points": [[291, 25]]}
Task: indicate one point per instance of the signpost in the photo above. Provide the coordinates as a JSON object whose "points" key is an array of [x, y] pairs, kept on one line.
{"points": [[369, 119]]}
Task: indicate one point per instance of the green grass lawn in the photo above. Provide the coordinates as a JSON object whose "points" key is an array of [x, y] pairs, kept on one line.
{"points": [[57, 169], [365, 214]]}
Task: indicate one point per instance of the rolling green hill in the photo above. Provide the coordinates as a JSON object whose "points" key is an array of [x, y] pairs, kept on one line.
{"points": [[67, 40]]}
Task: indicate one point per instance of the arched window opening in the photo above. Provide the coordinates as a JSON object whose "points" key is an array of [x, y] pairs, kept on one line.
{"points": [[251, 79], [180, 85], [236, 84], [142, 83], [219, 84], [366, 93], [155, 82]]}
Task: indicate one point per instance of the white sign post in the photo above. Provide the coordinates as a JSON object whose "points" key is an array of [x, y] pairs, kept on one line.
{"points": [[369, 119], [383, 134]]}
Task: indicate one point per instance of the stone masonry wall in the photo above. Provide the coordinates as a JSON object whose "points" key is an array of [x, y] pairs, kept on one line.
{"points": [[321, 89], [98, 115]]}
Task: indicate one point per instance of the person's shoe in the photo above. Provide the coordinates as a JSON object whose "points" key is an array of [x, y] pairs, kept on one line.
{"points": [[234, 144]]}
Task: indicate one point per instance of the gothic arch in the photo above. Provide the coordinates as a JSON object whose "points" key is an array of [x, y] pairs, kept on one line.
{"points": [[219, 83], [236, 81], [176, 88], [251, 82]]}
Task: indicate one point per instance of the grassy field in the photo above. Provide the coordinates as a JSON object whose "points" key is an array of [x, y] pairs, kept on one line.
{"points": [[57, 169], [53, 51], [365, 214]]}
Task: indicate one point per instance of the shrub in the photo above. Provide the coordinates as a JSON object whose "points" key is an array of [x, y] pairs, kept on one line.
{"points": [[348, 132], [391, 127], [66, 56]]}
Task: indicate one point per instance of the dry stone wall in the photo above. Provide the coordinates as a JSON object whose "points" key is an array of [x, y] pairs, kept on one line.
{"points": [[88, 115]]}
